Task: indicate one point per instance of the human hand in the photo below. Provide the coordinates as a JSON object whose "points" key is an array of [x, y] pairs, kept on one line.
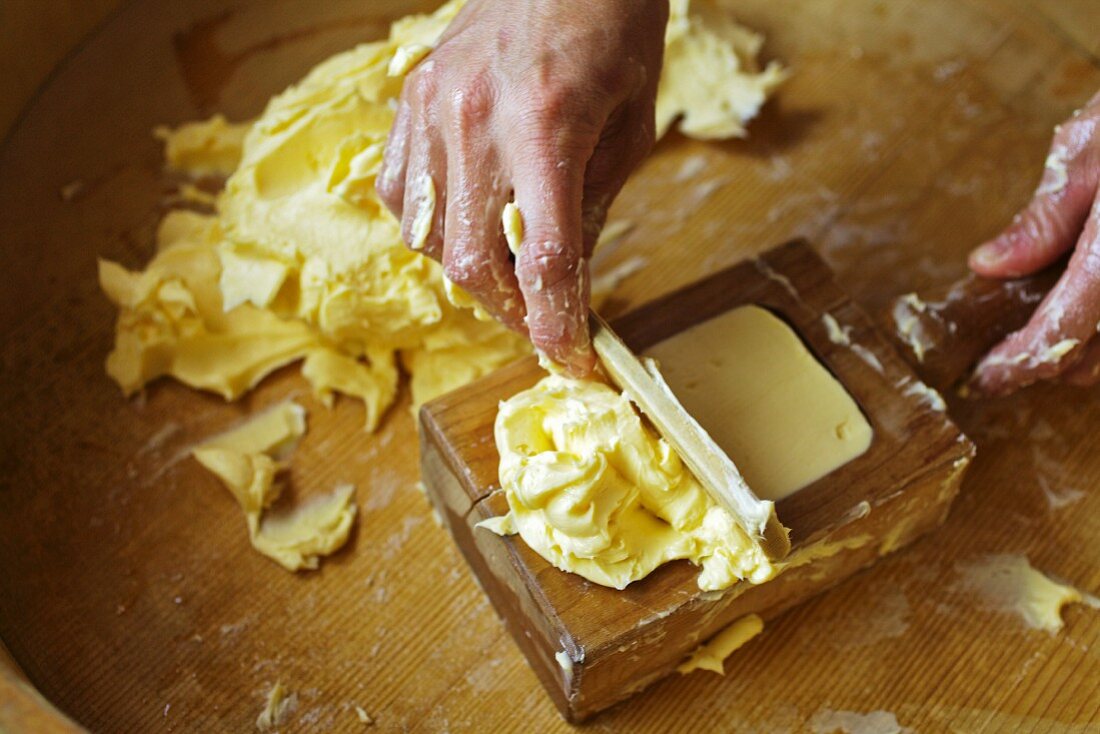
{"points": [[1061, 340], [547, 101]]}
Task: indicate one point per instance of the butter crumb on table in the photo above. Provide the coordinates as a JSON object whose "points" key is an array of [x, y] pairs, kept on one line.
{"points": [[245, 459], [1009, 584], [278, 707], [364, 718]]}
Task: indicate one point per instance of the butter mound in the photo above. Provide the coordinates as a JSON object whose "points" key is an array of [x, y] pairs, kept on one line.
{"points": [[711, 79], [302, 261], [171, 319], [245, 459], [593, 491], [712, 655]]}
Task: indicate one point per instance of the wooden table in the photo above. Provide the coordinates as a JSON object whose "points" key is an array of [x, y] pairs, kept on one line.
{"points": [[910, 130]]}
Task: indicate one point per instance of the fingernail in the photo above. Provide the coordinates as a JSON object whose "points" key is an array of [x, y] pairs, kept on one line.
{"points": [[988, 255]]}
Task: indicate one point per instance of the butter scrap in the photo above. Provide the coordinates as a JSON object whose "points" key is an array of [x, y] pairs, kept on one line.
{"points": [[1008, 583], [245, 460], [712, 655], [278, 706], [208, 147]]}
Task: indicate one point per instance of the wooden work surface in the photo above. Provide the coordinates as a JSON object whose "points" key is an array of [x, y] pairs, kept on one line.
{"points": [[909, 131]]}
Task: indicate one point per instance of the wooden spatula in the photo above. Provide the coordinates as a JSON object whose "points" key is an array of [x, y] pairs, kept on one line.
{"points": [[640, 380]]}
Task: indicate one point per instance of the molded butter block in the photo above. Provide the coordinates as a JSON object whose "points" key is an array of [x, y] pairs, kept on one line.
{"points": [[756, 389]]}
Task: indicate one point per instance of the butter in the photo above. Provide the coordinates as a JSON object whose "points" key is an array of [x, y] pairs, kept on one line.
{"points": [[206, 148], [245, 460], [712, 655], [1009, 584], [710, 79], [171, 320], [278, 706], [593, 491], [425, 210], [406, 57], [319, 527], [511, 221], [301, 260], [752, 384]]}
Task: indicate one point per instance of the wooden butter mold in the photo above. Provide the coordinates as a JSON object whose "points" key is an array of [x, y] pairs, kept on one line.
{"points": [[593, 646]]}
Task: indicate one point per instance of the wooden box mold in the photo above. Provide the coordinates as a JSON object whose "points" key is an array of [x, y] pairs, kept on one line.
{"points": [[593, 646]]}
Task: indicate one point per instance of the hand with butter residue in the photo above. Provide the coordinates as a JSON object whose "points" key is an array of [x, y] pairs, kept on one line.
{"points": [[549, 103], [1061, 340]]}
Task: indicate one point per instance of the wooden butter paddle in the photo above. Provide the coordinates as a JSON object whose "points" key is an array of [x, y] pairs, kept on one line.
{"points": [[641, 381]]}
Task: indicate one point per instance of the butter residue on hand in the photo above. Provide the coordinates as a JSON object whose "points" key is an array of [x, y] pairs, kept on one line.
{"points": [[301, 260], [595, 492], [247, 460]]}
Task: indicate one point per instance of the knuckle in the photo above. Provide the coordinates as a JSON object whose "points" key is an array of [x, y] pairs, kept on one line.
{"points": [[547, 263], [468, 270], [423, 81], [473, 102], [553, 110]]}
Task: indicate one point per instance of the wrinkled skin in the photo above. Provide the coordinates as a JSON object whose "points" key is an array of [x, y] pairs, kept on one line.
{"points": [[1064, 215], [547, 101]]}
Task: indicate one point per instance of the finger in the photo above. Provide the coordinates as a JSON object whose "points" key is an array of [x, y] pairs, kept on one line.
{"points": [[390, 182], [1048, 226], [424, 208], [475, 254], [1065, 321], [551, 267], [1086, 372], [624, 144]]}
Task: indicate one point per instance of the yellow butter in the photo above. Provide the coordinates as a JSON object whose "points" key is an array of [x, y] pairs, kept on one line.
{"points": [[764, 398], [1010, 584], [595, 492], [712, 655], [244, 459], [302, 260], [205, 148], [711, 80]]}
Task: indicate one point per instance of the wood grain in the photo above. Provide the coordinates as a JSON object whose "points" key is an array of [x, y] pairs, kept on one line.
{"points": [[34, 37], [622, 641], [909, 131]]}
